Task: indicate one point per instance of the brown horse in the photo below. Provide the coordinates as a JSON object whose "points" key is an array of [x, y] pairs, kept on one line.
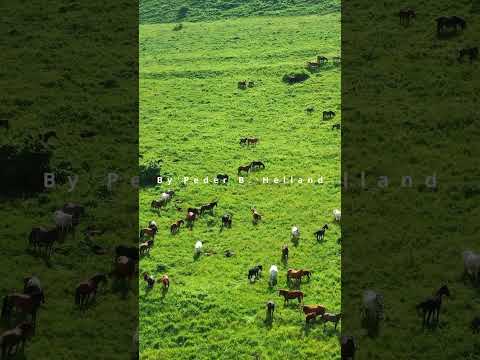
{"points": [[297, 275], [244, 168], [155, 204], [256, 216], [87, 290], [285, 252], [148, 232], [21, 303], [15, 338], [317, 309], [252, 141], [288, 295], [175, 227], [165, 281]]}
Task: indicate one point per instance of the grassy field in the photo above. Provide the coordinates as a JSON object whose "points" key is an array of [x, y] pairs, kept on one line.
{"points": [[410, 112], [155, 11], [191, 117]]}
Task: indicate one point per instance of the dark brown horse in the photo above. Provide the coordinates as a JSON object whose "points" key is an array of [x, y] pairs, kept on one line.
{"points": [[270, 310], [226, 221], [14, 339], [22, 303], [285, 252], [87, 290], [165, 281], [318, 309], [244, 168], [288, 295], [124, 268], [208, 207], [175, 227]]}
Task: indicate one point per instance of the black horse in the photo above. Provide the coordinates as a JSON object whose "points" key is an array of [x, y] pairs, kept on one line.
{"points": [[348, 347], [431, 307], [130, 252], [208, 207], [270, 310], [41, 238], [472, 54], [255, 272], [222, 178], [226, 221], [321, 233], [255, 165], [446, 23]]}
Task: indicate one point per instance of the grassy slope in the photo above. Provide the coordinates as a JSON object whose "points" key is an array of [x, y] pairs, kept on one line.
{"points": [[192, 116], [155, 11]]}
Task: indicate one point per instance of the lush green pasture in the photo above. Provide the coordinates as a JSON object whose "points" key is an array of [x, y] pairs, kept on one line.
{"points": [[191, 117]]}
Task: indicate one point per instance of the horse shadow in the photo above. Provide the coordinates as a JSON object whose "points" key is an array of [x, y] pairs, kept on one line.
{"points": [[196, 256], [268, 322], [295, 241], [284, 260], [446, 35], [163, 293]]}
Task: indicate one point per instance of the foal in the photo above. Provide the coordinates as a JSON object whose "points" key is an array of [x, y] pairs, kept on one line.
{"points": [[432, 305]]}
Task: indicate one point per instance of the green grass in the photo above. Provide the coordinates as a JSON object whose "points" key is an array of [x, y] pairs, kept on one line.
{"points": [[191, 117], [155, 11]]}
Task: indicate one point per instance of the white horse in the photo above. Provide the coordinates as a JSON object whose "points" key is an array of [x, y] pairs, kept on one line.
{"points": [[295, 233], [372, 305], [198, 248], [63, 220], [273, 275], [471, 264], [337, 214]]}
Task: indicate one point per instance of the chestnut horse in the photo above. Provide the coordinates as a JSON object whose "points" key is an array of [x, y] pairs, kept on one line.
{"points": [[87, 290], [288, 295], [165, 281], [297, 274], [317, 309]]}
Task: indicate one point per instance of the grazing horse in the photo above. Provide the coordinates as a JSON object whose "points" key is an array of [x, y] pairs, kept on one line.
{"points": [[312, 65], [87, 290], [123, 268], [190, 219], [252, 141], [13, 339], [75, 210], [472, 54], [226, 221], [128, 251], [208, 207], [155, 204], [270, 309], [273, 275], [475, 325], [285, 252], [5, 124], [372, 308], [445, 23], [145, 247], [288, 295], [256, 216], [255, 165], [255, 272], [244, 168], [334, 318], [41, 238], [242, 85], [316, 309], [165, 281], [406, 15], [432, 305], [348, 347], [321, 59], [328, 115], [320, 234], [337, 214], [149, 280], [471, 265], [295, 233], [175, 227], [21, 303], [222, 178], [148, 232], [336, 126], [297, 275], [33, 287], [63, 221]]}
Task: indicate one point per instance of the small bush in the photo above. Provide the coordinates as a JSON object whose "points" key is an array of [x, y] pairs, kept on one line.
{"points": [[294, 78]]}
